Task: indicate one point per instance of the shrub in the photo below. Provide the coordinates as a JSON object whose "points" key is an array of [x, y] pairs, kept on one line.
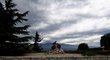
{"points": [[83, 46]]}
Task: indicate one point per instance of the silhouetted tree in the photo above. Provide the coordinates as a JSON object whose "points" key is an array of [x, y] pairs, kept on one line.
{"points": [[105, 41], [37, 39], [12, 36], [83, 46]]}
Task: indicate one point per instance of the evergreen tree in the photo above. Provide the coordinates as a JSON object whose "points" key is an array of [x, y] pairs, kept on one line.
{"points": [[37, 39], [10, 32], [105, 41]]}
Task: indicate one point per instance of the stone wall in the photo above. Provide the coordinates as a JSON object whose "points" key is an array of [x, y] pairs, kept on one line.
{"points": [[54, 58]]}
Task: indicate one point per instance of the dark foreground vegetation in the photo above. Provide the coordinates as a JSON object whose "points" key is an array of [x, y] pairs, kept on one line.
{"points": [[14, 36], [90, 52]]}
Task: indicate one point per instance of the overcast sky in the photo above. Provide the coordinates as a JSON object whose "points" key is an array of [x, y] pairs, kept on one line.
{"points": [[68, 21]]}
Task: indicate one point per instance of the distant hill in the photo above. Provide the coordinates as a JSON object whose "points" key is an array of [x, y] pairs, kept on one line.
{"points": [[66, 47]]}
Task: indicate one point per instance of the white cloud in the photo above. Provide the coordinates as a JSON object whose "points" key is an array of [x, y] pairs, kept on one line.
{"points": [[85, 39], [37, 26], [99, 7], [93, 18], [83, 26], [59, 13]]}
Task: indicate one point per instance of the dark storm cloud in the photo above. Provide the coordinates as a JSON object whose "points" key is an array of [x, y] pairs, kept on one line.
{"points": [[54, 27], [35, 15], [80, 34], [86, 16]]}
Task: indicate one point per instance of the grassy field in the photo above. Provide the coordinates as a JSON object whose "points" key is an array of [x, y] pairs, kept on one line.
{"points": [[52, 55], [59, 55]]}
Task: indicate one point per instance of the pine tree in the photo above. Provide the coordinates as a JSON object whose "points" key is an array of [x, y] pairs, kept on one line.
{"points": [[105, 41], [2, 13], [37, 39], [10, 32]]}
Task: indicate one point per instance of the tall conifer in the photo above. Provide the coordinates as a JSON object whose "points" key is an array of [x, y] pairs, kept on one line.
{"points": [[12, 35]]}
